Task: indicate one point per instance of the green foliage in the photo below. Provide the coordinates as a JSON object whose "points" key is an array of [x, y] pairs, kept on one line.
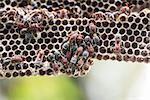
{"points": [[44, 88]]}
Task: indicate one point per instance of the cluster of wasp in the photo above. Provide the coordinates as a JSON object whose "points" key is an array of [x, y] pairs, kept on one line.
{"points": [[77, 48]]}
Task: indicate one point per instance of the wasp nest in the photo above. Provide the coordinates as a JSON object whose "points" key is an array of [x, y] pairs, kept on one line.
{"points": [[52, 37]]}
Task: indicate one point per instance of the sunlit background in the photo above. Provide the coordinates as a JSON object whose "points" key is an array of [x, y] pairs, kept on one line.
{"points": [[107, 80]]}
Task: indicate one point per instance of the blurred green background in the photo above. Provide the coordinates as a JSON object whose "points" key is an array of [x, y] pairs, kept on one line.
{"points": [[42, 88], [107, 80]]}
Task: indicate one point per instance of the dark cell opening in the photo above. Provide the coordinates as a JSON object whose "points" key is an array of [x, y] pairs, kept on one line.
{"points": [[28, 59], [83, 7], [41, 72], [61, 28], [125, 38], [14, 47], [140, 26], [8, 75], [25, 53], [133, 25], [127, 44], [14, 3], [40, 40], [139, 39], [136, 52], [43, 46], [15, 74], [102, 50], [54, 40], [145, 21], [36, 46], [43, 34], [130, 19], [32, 53], [28, 73], [134, 45], [50, 46]]}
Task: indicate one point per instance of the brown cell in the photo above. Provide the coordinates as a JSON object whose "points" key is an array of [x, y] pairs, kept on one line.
{"points": [[25, 65], [140, 59], [41, 72], [132, 58], [123, 51], [15, 74], [11, 67], [106, 57], [119, 57], [126, 58], [99, 56], [113, 58], [8, 75], [146, 59], [18, 67], [28, 72]]}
